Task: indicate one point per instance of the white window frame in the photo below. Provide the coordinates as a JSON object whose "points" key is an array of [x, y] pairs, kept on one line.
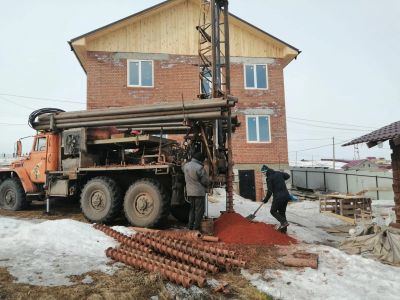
{"points": [[257, 129], [255, 76], [140, 73]]}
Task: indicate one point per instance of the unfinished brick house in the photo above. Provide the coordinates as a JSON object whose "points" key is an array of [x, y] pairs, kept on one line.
{"points": [[152, 57]]}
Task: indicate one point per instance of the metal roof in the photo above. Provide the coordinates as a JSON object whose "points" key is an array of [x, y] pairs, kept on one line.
{"points": [[383, 134]]}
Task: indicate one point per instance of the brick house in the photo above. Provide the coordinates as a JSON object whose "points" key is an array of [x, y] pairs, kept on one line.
{"points": [[152, 57]]}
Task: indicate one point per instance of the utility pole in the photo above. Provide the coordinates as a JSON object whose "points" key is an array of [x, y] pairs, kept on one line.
{"points": [[333, 146], [296, 158]]}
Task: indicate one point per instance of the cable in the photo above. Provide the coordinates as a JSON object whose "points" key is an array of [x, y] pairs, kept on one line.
{"points": [[36, 113], [17, 104], [302, 150], [334, 123], [336, 128], [43, 99]]}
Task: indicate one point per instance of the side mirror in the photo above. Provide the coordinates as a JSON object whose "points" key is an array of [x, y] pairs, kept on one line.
{"points": [[19, 148]]}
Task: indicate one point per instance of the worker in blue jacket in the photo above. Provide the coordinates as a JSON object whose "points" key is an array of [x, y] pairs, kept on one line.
{"points": [[277, 187]]}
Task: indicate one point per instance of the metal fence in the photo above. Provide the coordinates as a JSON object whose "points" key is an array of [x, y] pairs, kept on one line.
{"points": [[377, 185]]}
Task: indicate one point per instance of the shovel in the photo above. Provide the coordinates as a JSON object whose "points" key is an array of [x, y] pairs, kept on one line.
{"points": [[253, 215]]}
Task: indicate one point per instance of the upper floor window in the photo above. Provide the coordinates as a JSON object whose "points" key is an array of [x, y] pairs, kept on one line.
{"points": [[258, 129], [140, 73], [256, 76]]}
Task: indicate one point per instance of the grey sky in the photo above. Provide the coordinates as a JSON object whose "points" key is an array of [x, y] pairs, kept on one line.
{"points": [[347, 73]]}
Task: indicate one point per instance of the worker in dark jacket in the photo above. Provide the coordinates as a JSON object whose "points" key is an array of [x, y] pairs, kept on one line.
{"points": [[197, 183], [277, 187]]}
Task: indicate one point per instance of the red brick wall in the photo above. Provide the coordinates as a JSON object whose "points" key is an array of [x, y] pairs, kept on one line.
{"points": [[176, 77]]}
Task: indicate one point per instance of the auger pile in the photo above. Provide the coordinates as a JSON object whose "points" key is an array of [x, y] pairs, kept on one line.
{"points": [[172, 117], [182, 261]]}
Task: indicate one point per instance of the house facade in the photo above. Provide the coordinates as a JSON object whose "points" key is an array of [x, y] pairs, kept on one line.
{"points": [[152, 57]]}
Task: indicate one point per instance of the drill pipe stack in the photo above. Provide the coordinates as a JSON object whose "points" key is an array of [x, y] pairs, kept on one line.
{"points": [[168, 117], [178, 260]]}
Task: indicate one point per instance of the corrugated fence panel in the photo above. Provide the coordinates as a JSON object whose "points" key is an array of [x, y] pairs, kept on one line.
{"points": [[377, 185]]}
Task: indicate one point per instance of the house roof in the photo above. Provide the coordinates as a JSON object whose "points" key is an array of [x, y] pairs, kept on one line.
{"points": [[354, 163], [385, 133], [78, 43]]}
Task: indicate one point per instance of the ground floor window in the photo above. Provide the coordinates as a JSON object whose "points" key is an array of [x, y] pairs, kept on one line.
{"points": [[140, 73]]}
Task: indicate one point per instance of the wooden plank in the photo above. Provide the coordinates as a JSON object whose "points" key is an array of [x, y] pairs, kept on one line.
{"points": [[343, 218]]}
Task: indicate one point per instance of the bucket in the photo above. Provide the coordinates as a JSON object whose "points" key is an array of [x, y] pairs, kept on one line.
{"points": [[207, 226]]}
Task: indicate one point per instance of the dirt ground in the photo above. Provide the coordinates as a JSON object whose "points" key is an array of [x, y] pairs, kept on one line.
{"points": [[128, 283]]}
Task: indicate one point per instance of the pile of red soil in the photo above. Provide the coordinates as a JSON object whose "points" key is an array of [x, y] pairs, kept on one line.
{"points": [[233, 228]]}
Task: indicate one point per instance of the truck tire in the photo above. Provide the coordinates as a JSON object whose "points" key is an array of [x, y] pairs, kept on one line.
{"points": [[181, 212], [101, 200], [12, 195], [146, 203]]}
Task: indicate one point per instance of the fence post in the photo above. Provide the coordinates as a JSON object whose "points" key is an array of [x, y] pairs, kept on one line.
{"points": [[306, 179], [324, 181], [347, 184], [291, 174], [377, 187]]}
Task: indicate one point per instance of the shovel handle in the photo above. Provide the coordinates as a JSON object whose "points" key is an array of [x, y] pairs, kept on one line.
{"points": [[258, 208]]}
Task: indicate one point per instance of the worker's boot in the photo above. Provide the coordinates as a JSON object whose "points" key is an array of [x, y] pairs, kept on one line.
{"points": [[283, 227]]}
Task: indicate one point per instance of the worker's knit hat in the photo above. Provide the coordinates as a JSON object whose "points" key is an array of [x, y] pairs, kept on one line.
{"points": [[264, 169], [198, 156]]}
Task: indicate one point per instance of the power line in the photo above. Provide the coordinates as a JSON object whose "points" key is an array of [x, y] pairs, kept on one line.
{"points": [[334, 123], [17, 104], [43, 98], [328, 127], [302, 150]]}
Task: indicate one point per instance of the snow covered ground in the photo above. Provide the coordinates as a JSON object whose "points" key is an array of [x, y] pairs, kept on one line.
{"points": [[339, 275], [47, 252]]}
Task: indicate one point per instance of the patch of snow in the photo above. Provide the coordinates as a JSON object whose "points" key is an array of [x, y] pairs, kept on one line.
{"points": [[339, 276], [179, 292], [47, 252], [87, 280], [124, 230]]}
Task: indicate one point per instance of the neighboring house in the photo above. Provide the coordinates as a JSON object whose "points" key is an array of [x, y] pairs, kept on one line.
{"points": [[152, 57], [361, 165]]}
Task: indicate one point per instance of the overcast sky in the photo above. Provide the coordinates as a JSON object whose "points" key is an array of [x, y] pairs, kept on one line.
{"points": [[347, 73]]}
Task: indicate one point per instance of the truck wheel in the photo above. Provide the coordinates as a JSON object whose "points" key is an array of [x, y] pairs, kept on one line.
{"points": [[146, 203], [181, 212], [101, 200], [12, 195]]}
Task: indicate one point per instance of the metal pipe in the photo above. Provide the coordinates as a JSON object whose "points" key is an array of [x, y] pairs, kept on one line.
{"points": [[154, 260], [151, 267], [163, 259], [197, 116], [177, 105], [127, 116]]}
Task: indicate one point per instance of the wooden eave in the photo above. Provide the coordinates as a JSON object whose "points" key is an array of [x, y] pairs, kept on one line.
{"points": [[79, 44]]}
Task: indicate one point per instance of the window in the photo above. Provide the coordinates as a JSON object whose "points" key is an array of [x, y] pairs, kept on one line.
{"points": [[256, 77], [40, 144], [140, 73], [258, 129]]}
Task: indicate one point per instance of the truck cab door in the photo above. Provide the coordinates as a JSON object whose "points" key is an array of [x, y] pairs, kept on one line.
{"points": [[36, 163]]}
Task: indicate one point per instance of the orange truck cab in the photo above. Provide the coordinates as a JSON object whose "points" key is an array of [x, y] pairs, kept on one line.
{"points": [[27, 175]]}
